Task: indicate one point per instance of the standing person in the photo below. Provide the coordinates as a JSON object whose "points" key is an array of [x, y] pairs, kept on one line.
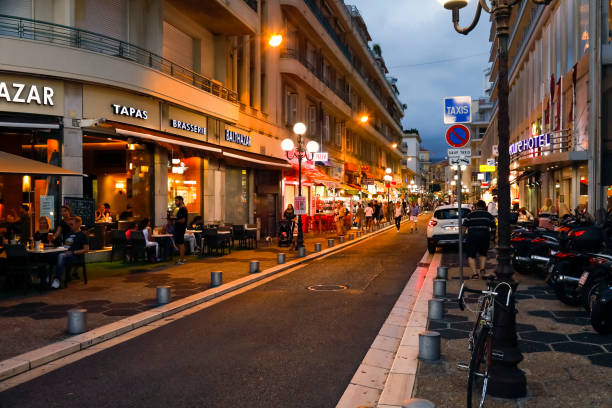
{"points": [[78, 246], [414, 216], [289, 215], [360, 213], [404, 206], [369, 215], [180, 226], [492, 207], [63, 229], [399, 211], [23, 224], [479, 224], [340, 214]]}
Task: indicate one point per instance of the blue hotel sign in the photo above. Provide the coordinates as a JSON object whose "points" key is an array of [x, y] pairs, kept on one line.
{"points": [[533, 142]]}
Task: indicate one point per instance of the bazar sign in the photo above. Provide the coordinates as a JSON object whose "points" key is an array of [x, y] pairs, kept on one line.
{"points": [[236, 137], [533, 142], [23, 93]]}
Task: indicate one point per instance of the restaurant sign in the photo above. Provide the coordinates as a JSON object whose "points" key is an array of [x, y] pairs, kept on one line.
{"points": [[177, 124], [129, 111], [26, 94], [235, 137], [533, 142]]}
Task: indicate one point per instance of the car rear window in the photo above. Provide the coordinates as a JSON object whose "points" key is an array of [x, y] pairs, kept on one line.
{"points": [[450, 213]]}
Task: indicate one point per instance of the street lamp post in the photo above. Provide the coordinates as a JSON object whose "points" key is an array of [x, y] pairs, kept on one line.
{"points": [[300, 152], [506, 381]]}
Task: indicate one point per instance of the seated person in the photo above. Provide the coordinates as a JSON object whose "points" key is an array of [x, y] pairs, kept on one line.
{"points": [[103, 213], [78, 245], [197, 223], [44, 233], [126, 215], [145, 227], [524, 215], [131, 227]]}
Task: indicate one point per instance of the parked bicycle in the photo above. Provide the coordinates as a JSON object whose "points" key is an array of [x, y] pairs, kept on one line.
{"points": [[480, 342]]}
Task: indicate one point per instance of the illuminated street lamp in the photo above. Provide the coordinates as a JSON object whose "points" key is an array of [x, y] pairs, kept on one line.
{"points": [[299, 152], [275, 40], [507, 381], [364, 119]]}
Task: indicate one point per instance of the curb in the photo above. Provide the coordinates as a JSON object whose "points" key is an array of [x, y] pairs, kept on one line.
{"points": [[35, 358], [386, 376]]}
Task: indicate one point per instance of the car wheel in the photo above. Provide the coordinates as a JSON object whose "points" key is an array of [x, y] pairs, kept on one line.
{"points": [[431, 247]]}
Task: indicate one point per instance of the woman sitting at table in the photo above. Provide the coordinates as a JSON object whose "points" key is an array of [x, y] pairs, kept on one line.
{"points": [[103, 213], [44, 233], [145, 227]]}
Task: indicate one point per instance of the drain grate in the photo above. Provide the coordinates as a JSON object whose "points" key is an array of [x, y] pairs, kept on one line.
{"points": [[327, 288]]}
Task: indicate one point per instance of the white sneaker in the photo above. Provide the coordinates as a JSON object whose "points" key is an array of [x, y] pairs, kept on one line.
{"points": [[55, 284], [179, 262]]}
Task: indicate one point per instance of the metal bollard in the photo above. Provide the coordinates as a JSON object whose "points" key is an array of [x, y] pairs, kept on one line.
{"points": [[351, 237], [163, 295], [439, 288], [280, 258], [254, 267], [77, 321], [301, 252], [341, 239], [442, 272], [418, 403], [429, 346], [330, 242], [358, 234], [318, 247], [216, 279], [435, 309]]}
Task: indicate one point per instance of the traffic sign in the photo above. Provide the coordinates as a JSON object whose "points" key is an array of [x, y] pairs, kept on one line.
{"points": [[490, 162], [487, 169], [459, 153], [299, 205], [457, 109], [459, 161], [457, 136]]}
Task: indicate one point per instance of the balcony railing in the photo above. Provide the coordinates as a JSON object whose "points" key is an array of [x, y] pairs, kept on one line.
{"points": [[17, 27], [318, 72], [252, 4]]}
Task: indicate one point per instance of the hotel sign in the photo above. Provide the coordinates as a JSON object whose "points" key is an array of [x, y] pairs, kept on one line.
{"points": [[533, 142], [239, 138]]}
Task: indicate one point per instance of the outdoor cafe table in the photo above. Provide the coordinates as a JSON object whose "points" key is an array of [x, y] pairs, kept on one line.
{"points": [[48, 255], [166, 245]]}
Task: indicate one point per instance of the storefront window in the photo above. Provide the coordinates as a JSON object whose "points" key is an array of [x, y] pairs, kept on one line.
{"points": [[236, 195], [184, 179], [583, 185], [119, 174], [41, 194]]}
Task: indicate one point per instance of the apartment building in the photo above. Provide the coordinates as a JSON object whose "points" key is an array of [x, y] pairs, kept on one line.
{"points": [[558, 65], [156, 98]]}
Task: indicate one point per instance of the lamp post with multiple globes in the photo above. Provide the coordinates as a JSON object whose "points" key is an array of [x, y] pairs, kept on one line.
{"points": [[506, 380], [299, 151]]}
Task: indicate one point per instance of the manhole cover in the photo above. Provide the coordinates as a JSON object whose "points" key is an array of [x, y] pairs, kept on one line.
{"points": [[327, 288]]}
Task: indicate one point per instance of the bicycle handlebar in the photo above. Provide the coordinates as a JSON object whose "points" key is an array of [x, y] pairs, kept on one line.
{"points": [[481, 292]]}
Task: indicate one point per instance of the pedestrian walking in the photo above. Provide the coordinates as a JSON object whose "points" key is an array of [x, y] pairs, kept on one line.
{"points": [[414, 216], [399, 211], [340, 214], [377, 211], [478, 224], [369, 215], [360, 214], [492, 207]]}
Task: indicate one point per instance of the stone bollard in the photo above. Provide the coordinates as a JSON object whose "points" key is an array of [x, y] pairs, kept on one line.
{"points": [[77, 321], [301, 252], [216, 279], [341, 239], [163, 295], [254, 267], [418, 403], [435, 309], [351, 237], [439, 288], [358, 234], [280, 258], [330, 242], [442, 272], [318, 247], [429, 346]]}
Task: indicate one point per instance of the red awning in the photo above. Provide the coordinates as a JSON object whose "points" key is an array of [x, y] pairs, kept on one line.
{"points": [[313, 175]]}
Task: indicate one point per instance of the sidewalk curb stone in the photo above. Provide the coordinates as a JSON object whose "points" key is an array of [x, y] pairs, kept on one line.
{"points": [[35, 358]]}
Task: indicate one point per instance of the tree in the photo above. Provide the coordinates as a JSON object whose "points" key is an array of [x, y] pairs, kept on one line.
{"points": [[377, 50]]}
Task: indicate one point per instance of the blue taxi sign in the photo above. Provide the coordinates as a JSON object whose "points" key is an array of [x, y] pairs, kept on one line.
{"points": [[457, 109]]}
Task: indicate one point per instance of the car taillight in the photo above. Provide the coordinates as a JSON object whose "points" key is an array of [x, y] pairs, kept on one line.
{"points": [[432, 223]]}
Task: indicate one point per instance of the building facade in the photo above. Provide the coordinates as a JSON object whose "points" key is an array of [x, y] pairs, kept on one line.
{"points": [[156, 98]]}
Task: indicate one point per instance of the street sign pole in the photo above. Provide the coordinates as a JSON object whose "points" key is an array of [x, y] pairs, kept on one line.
{"points": [[460, 227]]}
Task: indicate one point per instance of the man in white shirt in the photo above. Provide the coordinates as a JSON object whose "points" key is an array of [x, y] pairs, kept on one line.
{"points": [[492, 207]]}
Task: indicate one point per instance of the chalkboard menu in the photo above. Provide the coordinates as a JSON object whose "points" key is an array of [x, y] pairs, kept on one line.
{"points": [[83, 207]]}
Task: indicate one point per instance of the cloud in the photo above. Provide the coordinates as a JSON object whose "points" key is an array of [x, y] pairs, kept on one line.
{"points": [[419, 31]]}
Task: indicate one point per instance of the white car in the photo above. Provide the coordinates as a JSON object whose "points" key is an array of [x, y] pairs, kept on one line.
{"points": [[442, 228]]}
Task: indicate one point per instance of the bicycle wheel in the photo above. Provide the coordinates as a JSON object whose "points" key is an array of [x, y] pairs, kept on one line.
{"points": [[479, 369]]}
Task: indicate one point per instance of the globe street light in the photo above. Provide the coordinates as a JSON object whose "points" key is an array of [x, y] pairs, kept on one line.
{"points": [[506, 380], [299, 152], [388, 178]]}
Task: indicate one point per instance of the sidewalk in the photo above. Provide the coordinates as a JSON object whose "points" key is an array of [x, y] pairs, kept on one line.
{"points": [[566, 363], [117, 290]]}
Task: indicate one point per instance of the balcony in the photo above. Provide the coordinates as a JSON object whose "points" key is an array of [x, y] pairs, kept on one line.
{"points": [[222, 16], [252, 4], [316, 70], [73, 37]]}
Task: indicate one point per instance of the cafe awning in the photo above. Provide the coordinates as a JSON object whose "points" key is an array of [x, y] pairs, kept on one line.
{"points": [[13, 164]]}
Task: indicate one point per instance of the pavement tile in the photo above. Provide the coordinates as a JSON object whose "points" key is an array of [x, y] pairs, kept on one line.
{"points": [[358, 396], [13, 366], [406, 360], [386, 343], [391, 330], [398, 389], [379, 358], [397, 320], [370, 376]]}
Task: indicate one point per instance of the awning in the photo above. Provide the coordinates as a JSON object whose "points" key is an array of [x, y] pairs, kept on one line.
{"points": [[315, 176], [13, 164]]}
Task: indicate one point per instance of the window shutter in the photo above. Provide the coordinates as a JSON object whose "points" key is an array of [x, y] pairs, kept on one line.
{"points": [[177, 46], [16, 8], [102, 17]]}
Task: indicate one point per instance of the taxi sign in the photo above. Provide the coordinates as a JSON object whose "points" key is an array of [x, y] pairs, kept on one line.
{"points": [[457, 109]]}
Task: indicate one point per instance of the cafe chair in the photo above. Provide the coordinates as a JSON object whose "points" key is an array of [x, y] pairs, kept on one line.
{"points": [[251, 235], [71, 270], [19, 266], [239, 234], [120, 244], [138, 248]]}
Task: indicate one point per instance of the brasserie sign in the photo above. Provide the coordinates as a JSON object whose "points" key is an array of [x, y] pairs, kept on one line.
{"points": [[190, 127]]}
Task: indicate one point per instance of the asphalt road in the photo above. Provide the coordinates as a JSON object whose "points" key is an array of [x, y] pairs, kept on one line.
{"points": [[279, 345]]}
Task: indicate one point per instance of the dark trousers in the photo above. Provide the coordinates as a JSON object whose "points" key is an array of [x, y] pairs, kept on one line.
{"points": [[398, 221]]}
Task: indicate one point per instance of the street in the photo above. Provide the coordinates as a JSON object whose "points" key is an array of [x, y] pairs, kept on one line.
{"points": [[279, 345]]}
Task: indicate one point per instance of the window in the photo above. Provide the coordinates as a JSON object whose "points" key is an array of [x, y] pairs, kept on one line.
{"points": [[325, 129], [312, 120], [350, 141], [291, 107], [338, 133], [177, 46]]}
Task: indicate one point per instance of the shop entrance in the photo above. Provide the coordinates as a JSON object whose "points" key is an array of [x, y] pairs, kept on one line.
{"points": [[266, 210]]}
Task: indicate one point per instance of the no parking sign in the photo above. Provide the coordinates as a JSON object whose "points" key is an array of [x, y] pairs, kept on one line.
{"points": [[457, 136]]}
